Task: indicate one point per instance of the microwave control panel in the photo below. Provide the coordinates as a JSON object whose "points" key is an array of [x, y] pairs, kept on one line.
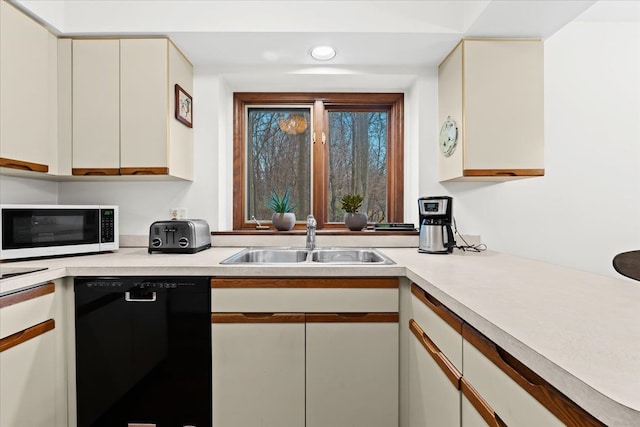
{"points": [[107, 225]]}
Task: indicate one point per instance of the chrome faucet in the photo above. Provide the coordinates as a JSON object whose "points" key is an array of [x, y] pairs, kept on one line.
{"points": [[311, 232]]}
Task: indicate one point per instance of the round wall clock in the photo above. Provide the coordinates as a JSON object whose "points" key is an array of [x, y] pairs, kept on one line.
{"points": [[448, 137]]}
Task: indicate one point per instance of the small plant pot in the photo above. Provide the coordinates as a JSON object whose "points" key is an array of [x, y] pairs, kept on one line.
{"points": [[283, 221], [355, 221]]}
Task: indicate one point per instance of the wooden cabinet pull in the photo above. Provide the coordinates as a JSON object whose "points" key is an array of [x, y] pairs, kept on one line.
{"points": [[257, 317], [481, 406], [25, 335], [144, 171], [26, 166], [352, 317], [95, 172], [27, 294], [441, 360], [437, 307]]}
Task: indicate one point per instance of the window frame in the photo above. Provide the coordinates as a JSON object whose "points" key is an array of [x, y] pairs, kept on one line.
{"points": [[321, 104]]}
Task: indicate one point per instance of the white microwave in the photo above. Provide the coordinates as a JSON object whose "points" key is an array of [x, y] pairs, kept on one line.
{"points": [[30, 231]]}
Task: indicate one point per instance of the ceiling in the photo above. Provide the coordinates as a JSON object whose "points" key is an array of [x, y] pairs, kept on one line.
{"points": [[246, 34]]}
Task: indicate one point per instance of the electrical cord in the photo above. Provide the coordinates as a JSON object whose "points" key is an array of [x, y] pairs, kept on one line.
{"points": [[467, 247]]}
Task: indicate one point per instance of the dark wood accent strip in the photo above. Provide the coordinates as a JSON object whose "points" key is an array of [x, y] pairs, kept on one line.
{"points": [[144, 171], [395, 172], [22, 165], [352, 317], [312, 282], [551, 398], [445, 365], [95, 172], [437, 307], [484, 409], [27, 294], [257, 318], [503, 172], [25, 335]]}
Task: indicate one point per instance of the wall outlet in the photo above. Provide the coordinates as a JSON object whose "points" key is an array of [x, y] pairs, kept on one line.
{"points": [[178, 213]]}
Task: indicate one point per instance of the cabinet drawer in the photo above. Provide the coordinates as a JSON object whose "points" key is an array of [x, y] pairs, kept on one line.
{"points": [[304, 300], [518, 395], [442, 325], [304, 295], [23, 309], [434, 395]]}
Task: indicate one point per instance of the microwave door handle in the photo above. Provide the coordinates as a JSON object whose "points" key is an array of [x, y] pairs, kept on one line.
{"points": [[128, 298]]}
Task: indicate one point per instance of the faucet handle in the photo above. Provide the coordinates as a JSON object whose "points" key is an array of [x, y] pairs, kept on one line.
{"points": [[311, 221]]}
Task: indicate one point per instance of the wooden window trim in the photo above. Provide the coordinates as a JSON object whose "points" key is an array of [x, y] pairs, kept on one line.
{"points": [[322, 103]]}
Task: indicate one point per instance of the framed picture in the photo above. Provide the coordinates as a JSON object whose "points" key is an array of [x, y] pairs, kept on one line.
{"points": [[184, 107]]}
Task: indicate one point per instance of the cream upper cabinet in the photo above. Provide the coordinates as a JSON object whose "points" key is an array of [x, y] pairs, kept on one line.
{"points": [[96, 106], [491, 97], [28, 87], [124, 108]]}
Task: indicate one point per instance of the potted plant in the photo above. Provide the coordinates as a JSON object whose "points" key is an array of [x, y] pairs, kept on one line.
{"points": [[283, 219], [353, 219]]}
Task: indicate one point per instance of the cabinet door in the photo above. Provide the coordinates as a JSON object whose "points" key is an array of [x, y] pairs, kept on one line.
{"points": [[434, 395], [504, 105], [96, 107], [258, 369], [442, 326], [144, 105], [25, 110], [352, 370], [27, 383]]}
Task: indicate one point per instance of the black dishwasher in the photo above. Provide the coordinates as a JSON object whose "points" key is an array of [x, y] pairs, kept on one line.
{"points": [[143, 351]]}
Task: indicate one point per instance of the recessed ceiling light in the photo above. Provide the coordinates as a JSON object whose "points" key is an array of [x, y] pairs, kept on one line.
{"points": [[323, 53]]}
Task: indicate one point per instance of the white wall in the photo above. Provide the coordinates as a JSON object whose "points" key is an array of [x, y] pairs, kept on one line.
{"points": [[15, 189], [583, 212], [586, 208]]}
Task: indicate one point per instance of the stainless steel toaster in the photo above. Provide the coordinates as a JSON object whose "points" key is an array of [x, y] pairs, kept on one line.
{"points": [[179, 236]]}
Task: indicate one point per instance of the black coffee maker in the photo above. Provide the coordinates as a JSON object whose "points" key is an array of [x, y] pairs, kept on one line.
{"points": [[436, 235]]}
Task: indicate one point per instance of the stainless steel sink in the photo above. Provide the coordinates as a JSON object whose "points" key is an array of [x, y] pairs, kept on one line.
{"points": [[349, 256], [269, 255]]}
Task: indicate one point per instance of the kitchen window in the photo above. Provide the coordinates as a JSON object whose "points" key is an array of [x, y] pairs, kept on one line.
{"points": [[319, 147]]}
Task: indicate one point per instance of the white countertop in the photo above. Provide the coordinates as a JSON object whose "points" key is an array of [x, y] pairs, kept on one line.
{"points": [[579, 331]]}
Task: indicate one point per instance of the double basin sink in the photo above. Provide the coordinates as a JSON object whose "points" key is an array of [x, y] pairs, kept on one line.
{"points": [[367, 256]]}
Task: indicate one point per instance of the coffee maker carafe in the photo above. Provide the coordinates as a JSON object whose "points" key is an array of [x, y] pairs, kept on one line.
{"points": [[436, 235]]}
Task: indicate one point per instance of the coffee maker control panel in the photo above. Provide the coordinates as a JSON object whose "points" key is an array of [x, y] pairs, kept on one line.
{"points": [[435, 210], [430, 207]]}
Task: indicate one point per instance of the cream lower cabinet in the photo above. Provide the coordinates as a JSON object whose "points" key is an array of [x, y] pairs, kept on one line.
{"points": [[352, 370], [28, 357], [29, 94], [315, 352], [258, 370], [434, 395], [517, 394], [485, 386]]}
